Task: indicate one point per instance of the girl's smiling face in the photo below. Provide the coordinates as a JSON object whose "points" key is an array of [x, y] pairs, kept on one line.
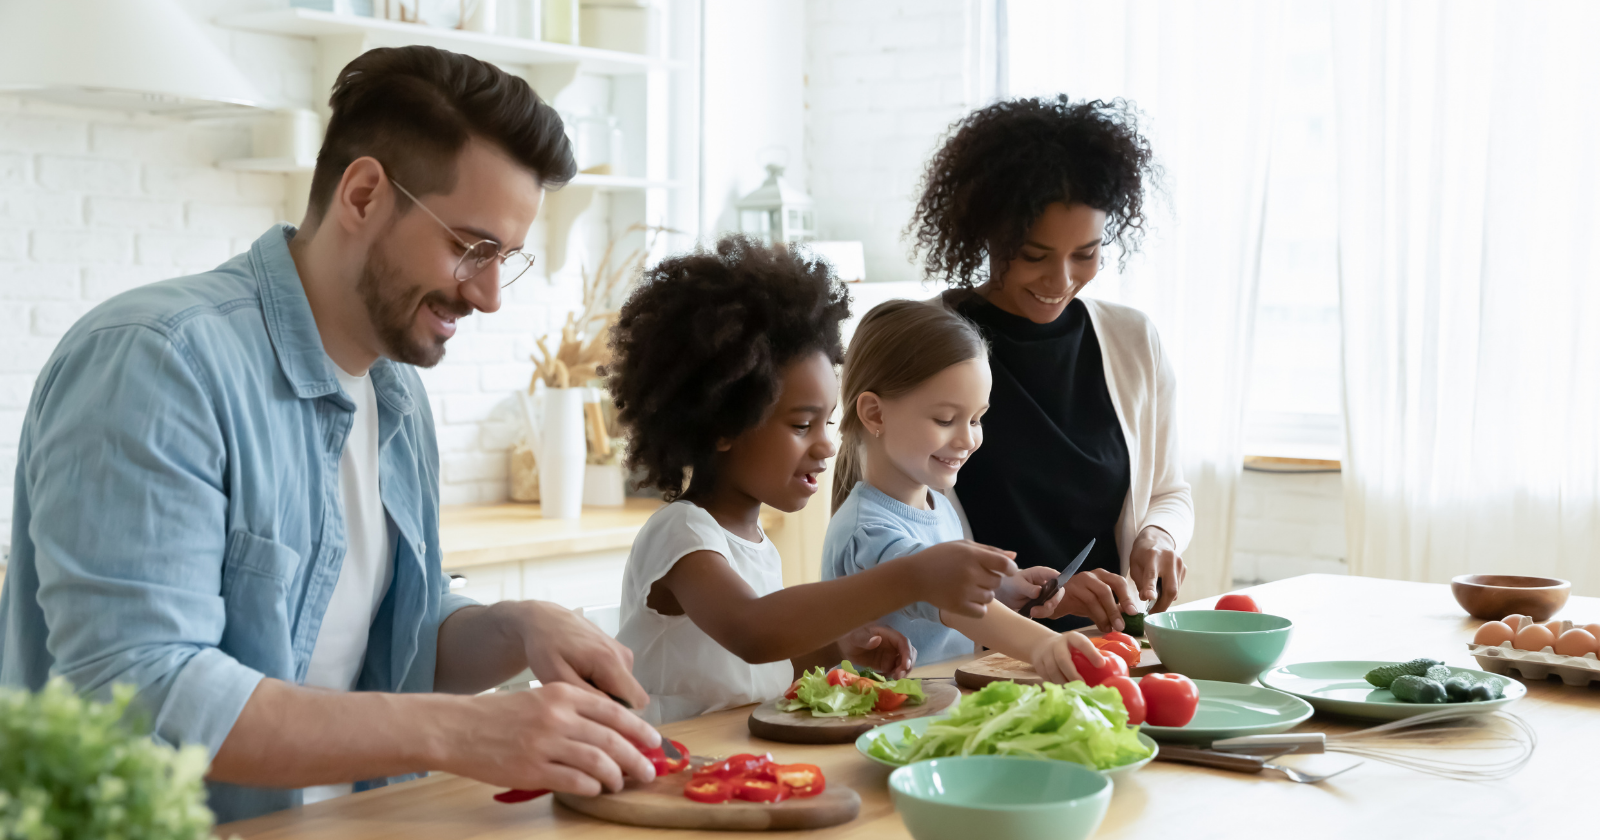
{"points": [[779, 463], [924, 435]]}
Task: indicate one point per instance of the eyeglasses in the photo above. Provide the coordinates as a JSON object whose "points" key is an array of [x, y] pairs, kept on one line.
{"points": [[477, 256]]}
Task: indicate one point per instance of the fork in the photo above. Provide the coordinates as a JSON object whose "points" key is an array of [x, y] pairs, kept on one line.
{"points": [[1242, 763]]}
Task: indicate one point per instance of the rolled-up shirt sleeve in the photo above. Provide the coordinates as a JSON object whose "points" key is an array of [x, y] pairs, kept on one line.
{"points": [[126, 475]]}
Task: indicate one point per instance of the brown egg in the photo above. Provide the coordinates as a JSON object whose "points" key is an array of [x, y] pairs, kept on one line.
{"points": [[1575, 642], [1515, 622], [1594, 630], [1534, 637], [1493, 633], [1558, 626]]}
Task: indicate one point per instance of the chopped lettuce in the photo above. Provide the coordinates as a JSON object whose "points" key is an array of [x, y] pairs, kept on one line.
{"points": [[1073, 722], [826, 700]]}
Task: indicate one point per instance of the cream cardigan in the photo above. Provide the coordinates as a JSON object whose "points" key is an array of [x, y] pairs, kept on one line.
{"points": [[1144, 391]]}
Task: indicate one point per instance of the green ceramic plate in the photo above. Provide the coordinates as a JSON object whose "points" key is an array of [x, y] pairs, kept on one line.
{"points": [[896, 731], [1341, 688], [1231, 710]]}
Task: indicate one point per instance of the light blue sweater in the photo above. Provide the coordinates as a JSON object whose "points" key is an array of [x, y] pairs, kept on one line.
{"points": [[869, 528]]}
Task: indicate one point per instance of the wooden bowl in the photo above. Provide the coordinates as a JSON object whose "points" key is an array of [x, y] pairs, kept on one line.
{"points": [[1493, 597]]}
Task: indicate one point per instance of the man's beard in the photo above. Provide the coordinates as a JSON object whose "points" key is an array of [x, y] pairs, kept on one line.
{"points": [[392, 312]]}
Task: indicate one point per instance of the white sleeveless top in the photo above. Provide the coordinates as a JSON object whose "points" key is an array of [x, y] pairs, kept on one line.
{"points": [[684, 670]]}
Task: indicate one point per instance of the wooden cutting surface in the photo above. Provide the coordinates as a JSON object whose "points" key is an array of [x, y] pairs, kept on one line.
{"points": [[1336, 618], [661, 804], [802, 727]]}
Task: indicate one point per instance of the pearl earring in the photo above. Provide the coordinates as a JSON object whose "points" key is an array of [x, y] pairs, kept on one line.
{"points": [[877, 433]]}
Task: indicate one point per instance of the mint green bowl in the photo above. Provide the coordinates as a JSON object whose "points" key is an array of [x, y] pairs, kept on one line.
{"points": [[1001, 796], [1225, 645]]}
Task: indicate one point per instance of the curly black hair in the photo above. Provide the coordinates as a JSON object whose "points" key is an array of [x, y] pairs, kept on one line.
{"points": [[1000, 166], [700, 348]]}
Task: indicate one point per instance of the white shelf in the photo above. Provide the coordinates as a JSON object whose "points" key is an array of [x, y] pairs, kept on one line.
{"points": [[309, 23]]}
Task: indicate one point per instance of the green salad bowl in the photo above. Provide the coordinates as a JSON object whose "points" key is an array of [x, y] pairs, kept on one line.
{"points": [[1001, 796], [1225, 645]]}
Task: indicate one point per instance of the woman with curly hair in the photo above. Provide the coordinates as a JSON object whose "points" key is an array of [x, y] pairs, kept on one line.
{"points": [[1081, 441], [724, 380]]}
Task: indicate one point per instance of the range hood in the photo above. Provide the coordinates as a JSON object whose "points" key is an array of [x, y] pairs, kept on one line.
{"points": [[129, 55]]}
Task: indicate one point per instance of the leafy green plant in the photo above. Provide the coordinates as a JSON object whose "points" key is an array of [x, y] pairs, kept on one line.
{"points": [[71, 768]]}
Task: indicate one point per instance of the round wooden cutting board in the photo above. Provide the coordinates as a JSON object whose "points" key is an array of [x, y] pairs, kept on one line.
{"points": [[804, 728], [997, 666], [661, 804]]}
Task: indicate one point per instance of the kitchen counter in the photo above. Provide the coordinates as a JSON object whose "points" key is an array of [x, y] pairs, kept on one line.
{"points": [[490, 534], [1336, 618]]}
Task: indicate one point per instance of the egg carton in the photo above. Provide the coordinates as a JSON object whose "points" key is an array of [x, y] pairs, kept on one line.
{"points": [[1537, 664]]}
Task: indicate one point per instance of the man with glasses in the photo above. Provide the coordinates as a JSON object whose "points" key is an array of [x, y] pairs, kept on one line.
{"points": [[227, 484]]}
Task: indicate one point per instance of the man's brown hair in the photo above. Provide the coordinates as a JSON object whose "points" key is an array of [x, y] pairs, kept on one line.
{"points": [[414, 108]]}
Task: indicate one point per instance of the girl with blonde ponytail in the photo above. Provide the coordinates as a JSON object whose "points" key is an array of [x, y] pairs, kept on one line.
{"points": [[915, 388]]}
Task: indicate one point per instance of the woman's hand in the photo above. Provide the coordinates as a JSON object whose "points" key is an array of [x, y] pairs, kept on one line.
{"points": [[1024, 586], [1052, 657], [1155, 557], [1100, 596], [881, 648]]}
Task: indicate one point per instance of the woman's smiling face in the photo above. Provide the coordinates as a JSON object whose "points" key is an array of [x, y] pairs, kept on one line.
{"points": [[1060, 255]]}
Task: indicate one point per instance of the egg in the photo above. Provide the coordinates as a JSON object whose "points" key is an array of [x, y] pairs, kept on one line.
{"points": [[1558, 626], [1594, 630], [1534, 637], [1575, 642], [1493, 633], [1515, 622]]}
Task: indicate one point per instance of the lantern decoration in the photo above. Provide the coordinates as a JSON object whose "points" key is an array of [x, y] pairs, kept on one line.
{"points": [[776, 212]]}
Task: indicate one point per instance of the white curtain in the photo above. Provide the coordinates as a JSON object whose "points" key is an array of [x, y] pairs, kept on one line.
{"points": [[1205, 74], [1469, 190]]}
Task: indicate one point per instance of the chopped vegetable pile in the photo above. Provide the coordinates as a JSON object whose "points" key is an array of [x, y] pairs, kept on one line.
{"points": [[845, 691], [753, 779], [1073, 722]]}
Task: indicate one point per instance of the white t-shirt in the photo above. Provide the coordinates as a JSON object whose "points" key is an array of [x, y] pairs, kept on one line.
{"points": [[684, 670], [368, 560]]}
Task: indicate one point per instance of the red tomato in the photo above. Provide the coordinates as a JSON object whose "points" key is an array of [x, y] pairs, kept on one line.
{"points": [[793, 692], [1132, 699], [667, 766], [888, 700], [801, 779], [1169, 699], [1114, 667], [1127, 653], [1124, 638], [1238, 603], [732, 767], [708, 789], [760, 790], [840, 676]]}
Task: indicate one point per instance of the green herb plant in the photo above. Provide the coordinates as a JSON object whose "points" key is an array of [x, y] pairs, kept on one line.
{"points": [[73, 769]]}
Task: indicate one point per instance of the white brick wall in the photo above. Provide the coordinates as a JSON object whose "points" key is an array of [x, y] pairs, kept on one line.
{"points": [[1288, 524]]}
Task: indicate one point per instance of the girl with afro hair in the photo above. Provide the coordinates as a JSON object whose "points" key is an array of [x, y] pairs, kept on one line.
{"points": [[1016, 211], [724, 380]]}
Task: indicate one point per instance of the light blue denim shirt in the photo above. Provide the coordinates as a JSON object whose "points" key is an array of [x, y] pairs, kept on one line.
{"points": [[869, 528], [177, 523]]}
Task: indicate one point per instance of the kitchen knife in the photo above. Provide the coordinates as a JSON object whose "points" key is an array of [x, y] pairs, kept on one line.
{"points": [[666, 743], [1049, 590]]}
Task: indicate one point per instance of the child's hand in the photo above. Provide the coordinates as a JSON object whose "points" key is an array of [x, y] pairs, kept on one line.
{"points": [[881, 648], [962, 576], [1100, 596], [1052, 657], [1022, 587]]}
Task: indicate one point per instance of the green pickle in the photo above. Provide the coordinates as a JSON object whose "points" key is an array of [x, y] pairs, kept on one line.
{"points": [[1384, 676], [1409, 688]]}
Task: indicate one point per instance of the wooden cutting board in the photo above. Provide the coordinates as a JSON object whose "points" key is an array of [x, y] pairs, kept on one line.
{"points": [[661, 804], [997, 666], [802, 727]]}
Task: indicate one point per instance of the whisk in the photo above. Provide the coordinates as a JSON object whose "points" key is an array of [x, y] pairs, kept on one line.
{"points": [[1503, 741]]}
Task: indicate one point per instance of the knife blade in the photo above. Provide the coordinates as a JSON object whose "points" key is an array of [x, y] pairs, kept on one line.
{"points": [[666, 743], [1049, 590]]}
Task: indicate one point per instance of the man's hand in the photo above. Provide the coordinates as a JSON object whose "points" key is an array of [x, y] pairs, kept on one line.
{"points": [[1024, 586], [961, 576], [1100, 596], [1154, 556], [563, 647], [881, 648], [556, 737]]}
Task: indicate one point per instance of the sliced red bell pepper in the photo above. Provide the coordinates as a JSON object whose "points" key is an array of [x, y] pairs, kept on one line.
{"points": [[708, 789], [801, 779], [667, 766], [760, 790]]}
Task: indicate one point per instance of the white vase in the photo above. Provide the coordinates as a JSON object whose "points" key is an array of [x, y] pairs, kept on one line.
{"points": [[562, 452]]}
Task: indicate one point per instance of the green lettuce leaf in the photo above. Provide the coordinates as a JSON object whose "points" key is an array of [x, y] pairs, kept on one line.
{"points": [[825, 700], [1073, 722]]}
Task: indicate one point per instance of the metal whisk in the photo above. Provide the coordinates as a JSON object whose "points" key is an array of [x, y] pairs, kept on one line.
{"points": [[1502, 744]]}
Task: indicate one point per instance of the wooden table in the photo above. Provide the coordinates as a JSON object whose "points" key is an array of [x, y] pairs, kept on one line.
{"points": [[1335, 618], [489, 534]]}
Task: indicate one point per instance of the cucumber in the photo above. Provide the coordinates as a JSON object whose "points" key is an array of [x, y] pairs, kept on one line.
{"points": [[1438, 673], [1459, 689], [1133, 625], [1409, 688], [1384, 676]]}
